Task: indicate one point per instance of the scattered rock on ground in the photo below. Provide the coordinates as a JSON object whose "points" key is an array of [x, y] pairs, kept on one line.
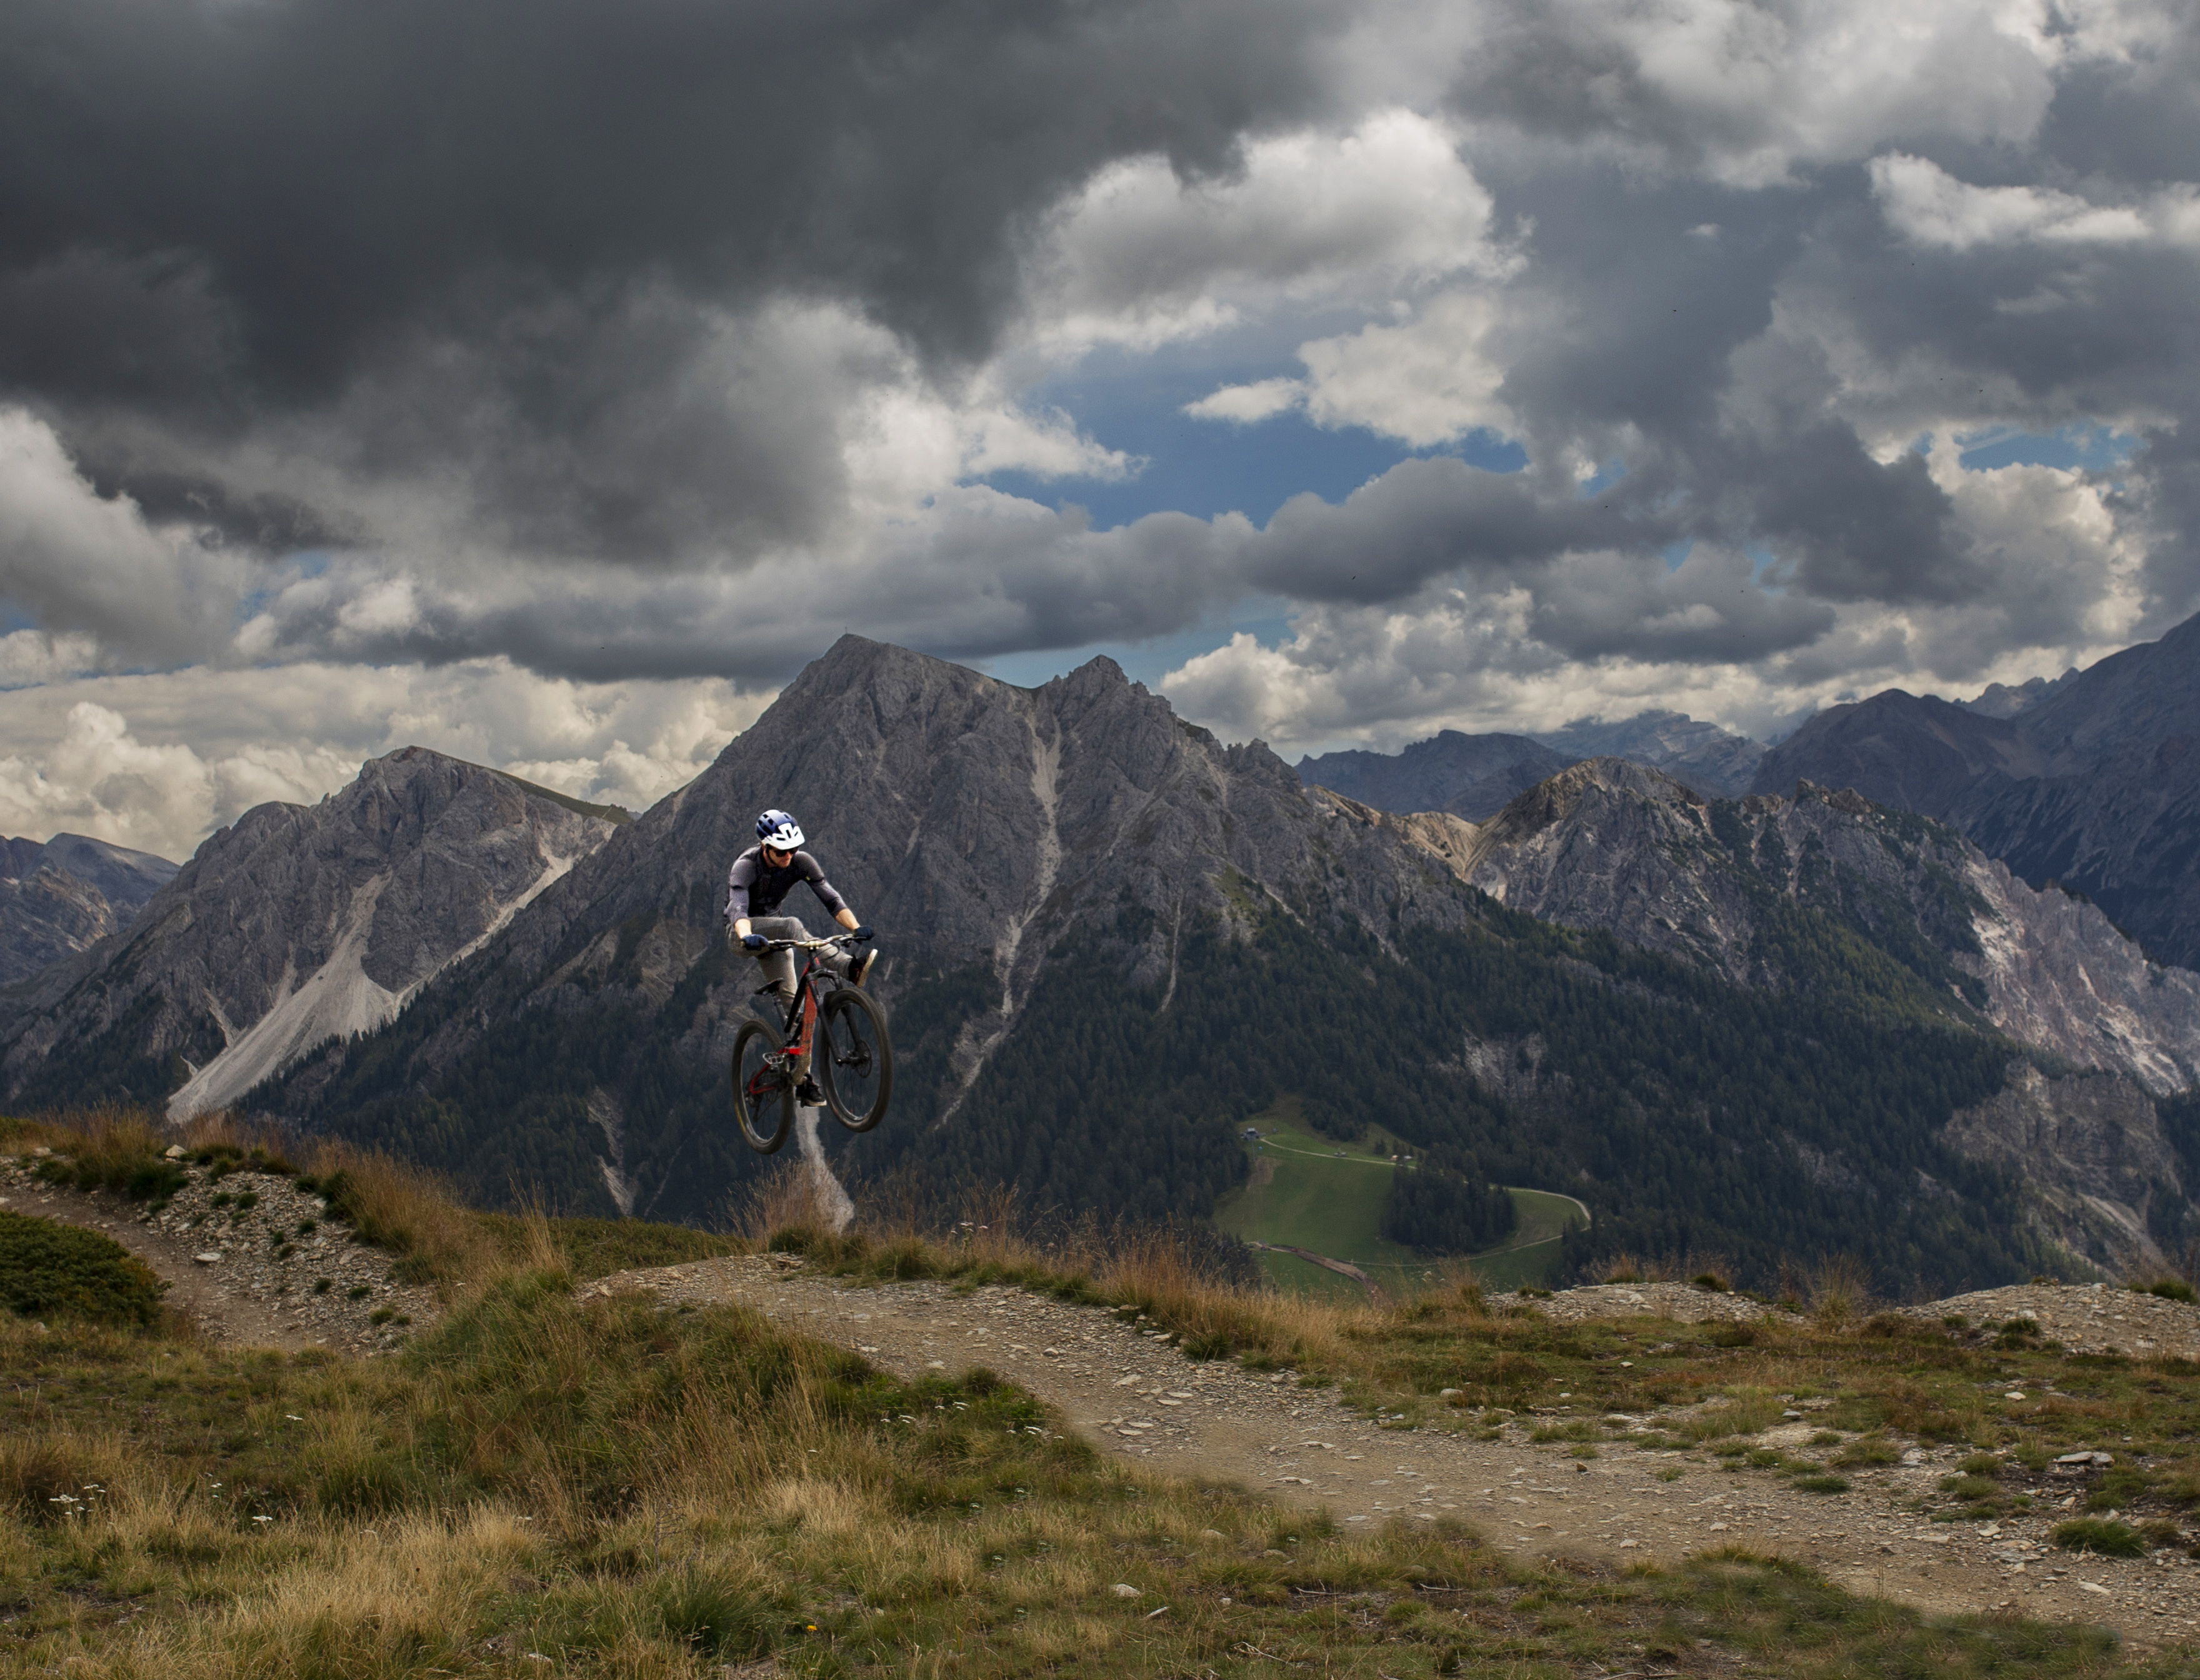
{"points": [[1684, 1302], [241, 1241], [2085, 1318]]}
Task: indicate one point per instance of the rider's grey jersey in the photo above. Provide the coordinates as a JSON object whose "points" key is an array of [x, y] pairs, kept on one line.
{"points": [[754, 888]]}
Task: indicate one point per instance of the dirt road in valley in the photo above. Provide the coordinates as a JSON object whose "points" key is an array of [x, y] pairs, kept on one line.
{"points": [[1125, 1388]]}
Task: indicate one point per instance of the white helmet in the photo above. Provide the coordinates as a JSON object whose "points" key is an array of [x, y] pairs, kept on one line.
{"points": [[779, 831]]}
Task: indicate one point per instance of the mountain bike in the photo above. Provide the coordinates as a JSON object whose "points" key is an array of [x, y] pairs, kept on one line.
{"points": [[853, 1063]]}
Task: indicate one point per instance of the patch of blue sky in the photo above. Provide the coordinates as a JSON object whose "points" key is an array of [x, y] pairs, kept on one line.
{"points": [[1208, 467], [2089, 445], [1606, 477]]}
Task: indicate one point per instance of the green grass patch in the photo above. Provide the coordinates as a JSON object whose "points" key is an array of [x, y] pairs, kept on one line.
{"points": [[663, 1493], [2170, 1289], [2098, 1534], [597, 1247], [1311, 1191], [49, 1270]]}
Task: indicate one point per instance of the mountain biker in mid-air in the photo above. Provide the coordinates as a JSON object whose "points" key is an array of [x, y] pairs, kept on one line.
{"points": [[760, 879]]}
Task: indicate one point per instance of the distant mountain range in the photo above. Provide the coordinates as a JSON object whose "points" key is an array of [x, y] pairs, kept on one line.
{"points": [[2095, 785], [1829, 899], [1476, 777], [60, 896], [1762, 1027], [301, 924]]}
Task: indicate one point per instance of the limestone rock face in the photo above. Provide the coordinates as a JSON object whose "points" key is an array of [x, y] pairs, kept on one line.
{"points": [[973, 823], [298, 924], [2095, 784], [61, 896], [1612, 845], [2090, 1150]]}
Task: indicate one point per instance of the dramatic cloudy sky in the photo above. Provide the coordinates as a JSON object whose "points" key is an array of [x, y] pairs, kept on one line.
{"points": [[547, 380]]}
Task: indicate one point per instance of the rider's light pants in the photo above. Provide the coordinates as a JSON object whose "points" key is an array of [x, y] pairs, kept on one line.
{"points": [[778, 966]]}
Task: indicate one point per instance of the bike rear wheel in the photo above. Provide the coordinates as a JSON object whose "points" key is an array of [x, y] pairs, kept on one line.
{"points": [[764, 1097], [854, 1057]]}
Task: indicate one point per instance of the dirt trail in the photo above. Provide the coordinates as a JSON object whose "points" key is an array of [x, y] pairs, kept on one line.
{"points": [[220, 1316], [223, 1266], [1124, 1389]]}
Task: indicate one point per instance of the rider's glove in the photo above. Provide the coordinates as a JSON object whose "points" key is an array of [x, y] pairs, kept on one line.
{"points": [[753, 942], [859, 935]]}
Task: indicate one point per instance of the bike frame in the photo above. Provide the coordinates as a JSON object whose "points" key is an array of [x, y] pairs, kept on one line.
{"points": [[801, 1021]]}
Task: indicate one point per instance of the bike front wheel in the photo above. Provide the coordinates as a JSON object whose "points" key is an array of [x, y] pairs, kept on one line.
{"points": [[764, 1097], [855, 1057]]}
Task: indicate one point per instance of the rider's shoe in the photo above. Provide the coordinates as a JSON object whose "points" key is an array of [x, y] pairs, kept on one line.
{"points": [[860, 970], [808, 1095]]}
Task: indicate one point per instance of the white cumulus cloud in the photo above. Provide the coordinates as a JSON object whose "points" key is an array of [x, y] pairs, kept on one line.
{"points": [[1139, 257], [1928, 206], [158, 761]]}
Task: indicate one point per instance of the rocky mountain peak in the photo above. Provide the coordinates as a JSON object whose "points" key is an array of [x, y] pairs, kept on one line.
{"points": [[2095, 784], [1470, 776], [60, 896], [1614, 846], [295, 924], [989, 833], [1561, 798]]}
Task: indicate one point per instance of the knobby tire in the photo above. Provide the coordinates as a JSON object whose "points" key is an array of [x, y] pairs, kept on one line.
{"points": [[854, 1058], [764, 1108]]}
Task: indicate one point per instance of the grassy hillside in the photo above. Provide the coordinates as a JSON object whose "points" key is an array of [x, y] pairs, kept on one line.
{"points": [[551, 1482], [1303, 1190]]}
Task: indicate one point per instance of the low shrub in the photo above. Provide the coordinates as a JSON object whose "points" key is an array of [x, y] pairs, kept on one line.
{"points": [[1871, 1450], [48, 1270], [120, 1150], [2098, 1534], [1970, 1487], [48, 1481], [2170, 1289]]}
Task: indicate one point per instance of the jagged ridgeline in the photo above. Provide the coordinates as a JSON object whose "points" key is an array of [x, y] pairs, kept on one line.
{"points": [[1111, 939]]}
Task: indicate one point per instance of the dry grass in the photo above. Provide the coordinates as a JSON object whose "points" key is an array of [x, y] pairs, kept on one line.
{"points": [[554, 1484], [403, 1208], [1840, 1291], [1167, 1273]]}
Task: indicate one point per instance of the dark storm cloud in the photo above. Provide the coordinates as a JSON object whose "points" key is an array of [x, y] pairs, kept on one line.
{"points": [[1858, 530], [214, 213], [1419, 521], [491, 294]]}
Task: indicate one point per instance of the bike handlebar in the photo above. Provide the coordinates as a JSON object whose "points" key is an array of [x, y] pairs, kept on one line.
{"points": [[811, 945]]}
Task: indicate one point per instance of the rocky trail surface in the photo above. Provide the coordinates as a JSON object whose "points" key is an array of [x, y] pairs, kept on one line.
{"points": [[1125, 1387], [255, 1259]]}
